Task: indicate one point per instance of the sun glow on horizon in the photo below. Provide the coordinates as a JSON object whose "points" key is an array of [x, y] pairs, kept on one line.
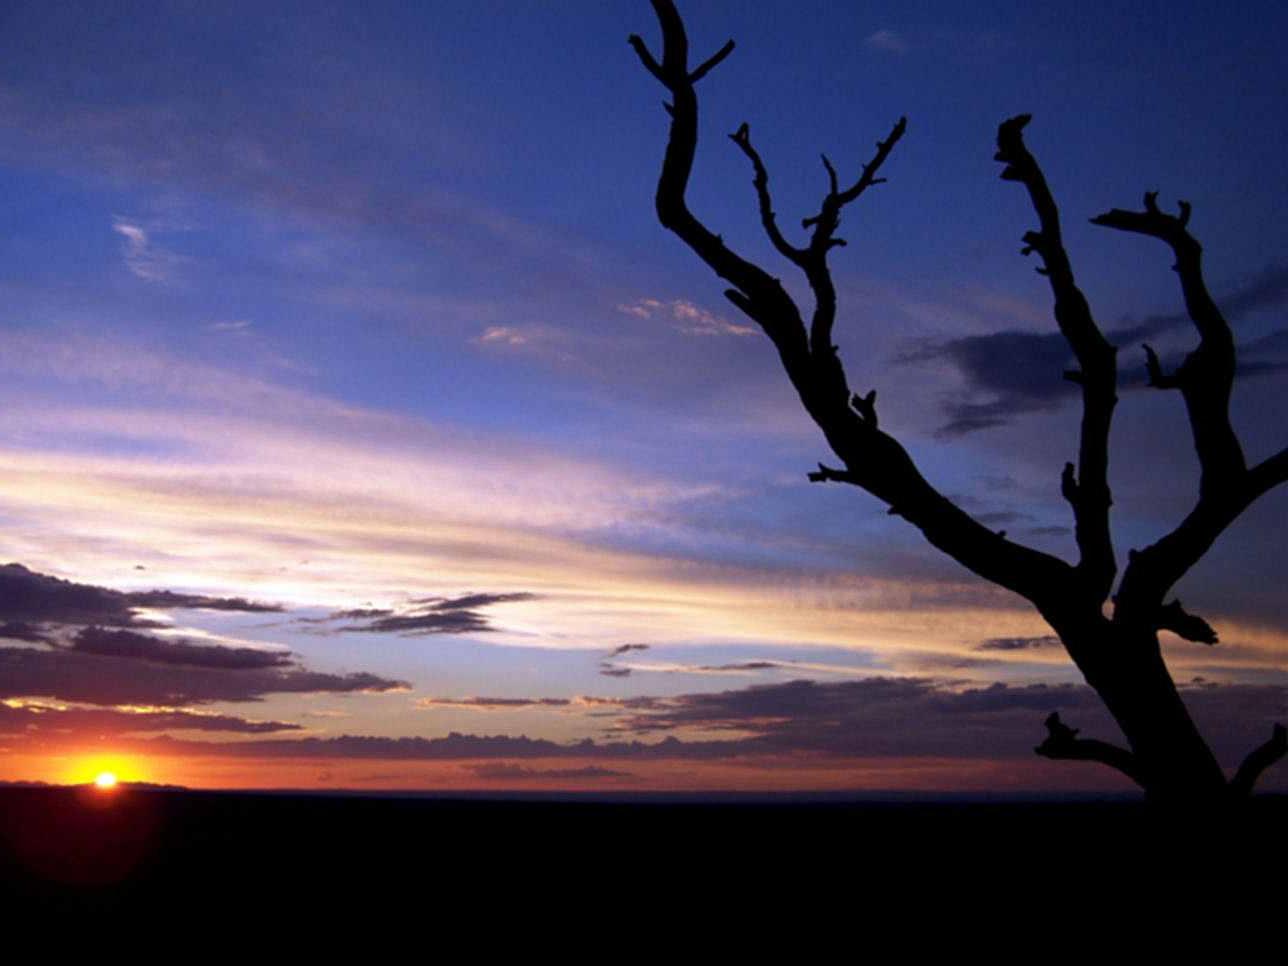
{"points": [[105, 771]]}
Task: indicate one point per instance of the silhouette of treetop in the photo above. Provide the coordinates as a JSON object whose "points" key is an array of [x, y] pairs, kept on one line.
{"points": [[1118, 652]]}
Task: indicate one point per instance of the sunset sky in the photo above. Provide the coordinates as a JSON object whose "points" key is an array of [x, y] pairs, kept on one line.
{"points": [[361, 427]]}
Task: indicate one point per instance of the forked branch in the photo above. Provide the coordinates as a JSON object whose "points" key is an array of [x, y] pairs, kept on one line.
{"points": [[872, 459], [1206, 377], [812, 259]]}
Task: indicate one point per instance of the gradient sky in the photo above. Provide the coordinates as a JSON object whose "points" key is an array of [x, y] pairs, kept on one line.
{"points": [[352, 326]]}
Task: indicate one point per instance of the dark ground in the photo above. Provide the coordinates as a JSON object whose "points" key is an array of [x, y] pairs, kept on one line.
{"points": [[585, 858]]}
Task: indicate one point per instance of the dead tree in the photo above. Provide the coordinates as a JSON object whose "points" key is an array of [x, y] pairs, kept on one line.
{"points": [[1118, 654]]}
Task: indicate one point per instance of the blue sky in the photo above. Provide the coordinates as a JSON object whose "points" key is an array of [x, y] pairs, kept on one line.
{"points": [[349, 306]]}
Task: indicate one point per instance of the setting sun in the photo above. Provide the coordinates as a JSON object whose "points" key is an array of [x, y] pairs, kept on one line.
{"points": [[105, 779]]}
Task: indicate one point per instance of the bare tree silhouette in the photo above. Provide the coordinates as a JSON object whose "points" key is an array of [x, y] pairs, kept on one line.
{"points": [[1117, 652]]}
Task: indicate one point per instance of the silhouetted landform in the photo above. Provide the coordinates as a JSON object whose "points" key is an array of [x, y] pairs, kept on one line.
{"points": [[1107, 620], [649, 860]]}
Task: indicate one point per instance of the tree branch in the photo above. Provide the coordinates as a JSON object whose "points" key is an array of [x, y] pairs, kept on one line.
{"points": [[771, 307], [1152, 571], [711, 62], [1157, 377], [1190, 627], [1226, 486], [1206, 377], [823, 240], [829, 474], [1258, 760], [1268, 474], [1097, 361], [1062, 744], [828, 216], [742, 138], [873, 460], [647, 59]]}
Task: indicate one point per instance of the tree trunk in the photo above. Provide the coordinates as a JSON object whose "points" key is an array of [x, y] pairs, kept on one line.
{"points": [[1174, 762]]}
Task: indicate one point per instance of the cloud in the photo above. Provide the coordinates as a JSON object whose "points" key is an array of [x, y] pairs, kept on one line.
{"points": [[872, 717], [34, 719], [686, 317], [922, 717], [1019, 371], [774, 725], [23, 631], [169, 600], [98, 654], [509, 771], [507, 335], [95, 652], [626, 648], [887, 40], [145, 647], [1018, 643], [28, 596], [432, 615], [143, 257], [71, 675], [451, 747], [494, 704], [736, 667], [1013, 372]]}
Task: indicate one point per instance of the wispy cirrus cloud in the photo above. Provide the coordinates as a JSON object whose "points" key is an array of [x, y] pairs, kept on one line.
{"points": [[143, 256], [686, 317], [887, 40]]}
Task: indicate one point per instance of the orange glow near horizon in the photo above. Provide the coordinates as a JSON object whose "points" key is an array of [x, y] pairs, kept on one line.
{"points": [[93, 769], [555, 774]]}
